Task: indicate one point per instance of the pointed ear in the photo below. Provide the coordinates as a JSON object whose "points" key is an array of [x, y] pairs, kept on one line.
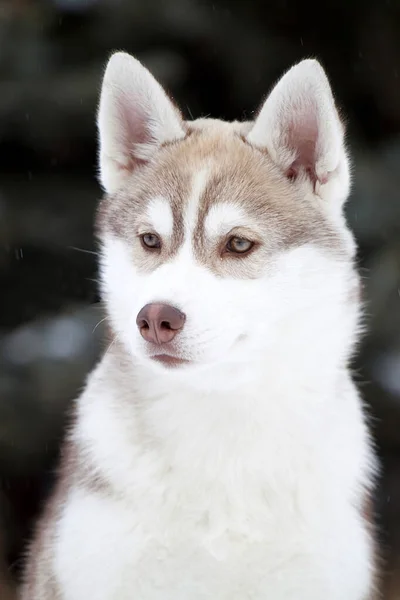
{"points": [[300, 128], [135, 117]]}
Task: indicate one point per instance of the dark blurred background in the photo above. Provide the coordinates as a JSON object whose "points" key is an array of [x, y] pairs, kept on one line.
{"points": [[217, 58]]}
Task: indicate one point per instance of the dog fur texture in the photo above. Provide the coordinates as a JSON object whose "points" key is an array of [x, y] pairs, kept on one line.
{"points": [[243, 471]]}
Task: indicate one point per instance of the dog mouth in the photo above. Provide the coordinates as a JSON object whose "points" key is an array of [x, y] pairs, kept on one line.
{"points": [[168, 360], [167, 355]]}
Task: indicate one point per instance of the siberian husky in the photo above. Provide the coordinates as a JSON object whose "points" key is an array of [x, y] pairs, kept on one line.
{"points": [[219, 449]]}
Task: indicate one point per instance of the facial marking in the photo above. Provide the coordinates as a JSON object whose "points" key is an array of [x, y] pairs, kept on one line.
{"points": [[222, 218], [159, 216], [192, 208]]}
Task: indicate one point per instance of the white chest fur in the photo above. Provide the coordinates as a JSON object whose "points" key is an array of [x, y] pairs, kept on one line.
{"points": [[246, 504]]}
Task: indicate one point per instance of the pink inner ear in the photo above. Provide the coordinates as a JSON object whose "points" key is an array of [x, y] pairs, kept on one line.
{"points": [[301, 137], [134, 123], [139, 130]]}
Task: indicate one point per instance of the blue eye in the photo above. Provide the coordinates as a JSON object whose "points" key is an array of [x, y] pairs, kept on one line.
{"points": [[239, 245], [151, 241]]}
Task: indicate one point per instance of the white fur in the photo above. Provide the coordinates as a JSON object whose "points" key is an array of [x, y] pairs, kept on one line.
{"points": [[238, 478], [223, 217], [242, 475], [223, 496], [159, 217]]}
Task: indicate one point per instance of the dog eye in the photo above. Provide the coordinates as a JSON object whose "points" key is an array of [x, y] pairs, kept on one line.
{"points": [[151, 241], [239, 245]]}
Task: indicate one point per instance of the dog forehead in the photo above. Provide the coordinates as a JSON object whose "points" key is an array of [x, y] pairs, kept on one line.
{"points": [[196, 185], [213, 215], [210, 179], [210, 206]]}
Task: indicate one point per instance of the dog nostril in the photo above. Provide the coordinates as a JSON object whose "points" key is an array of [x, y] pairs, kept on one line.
{"points": [[159, 323]]}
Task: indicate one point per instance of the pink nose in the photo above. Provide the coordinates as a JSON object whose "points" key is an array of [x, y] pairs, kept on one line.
{"points": [[159, 323]]}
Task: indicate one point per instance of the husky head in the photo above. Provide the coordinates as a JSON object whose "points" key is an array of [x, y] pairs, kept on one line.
{"points": [[224, 244]]}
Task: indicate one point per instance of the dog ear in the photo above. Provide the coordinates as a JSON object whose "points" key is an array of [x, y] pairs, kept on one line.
{"points": [[135, 118], [299, 126]]}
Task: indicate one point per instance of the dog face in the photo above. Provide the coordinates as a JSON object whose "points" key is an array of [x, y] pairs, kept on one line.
{"points": [[223, 242]]}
